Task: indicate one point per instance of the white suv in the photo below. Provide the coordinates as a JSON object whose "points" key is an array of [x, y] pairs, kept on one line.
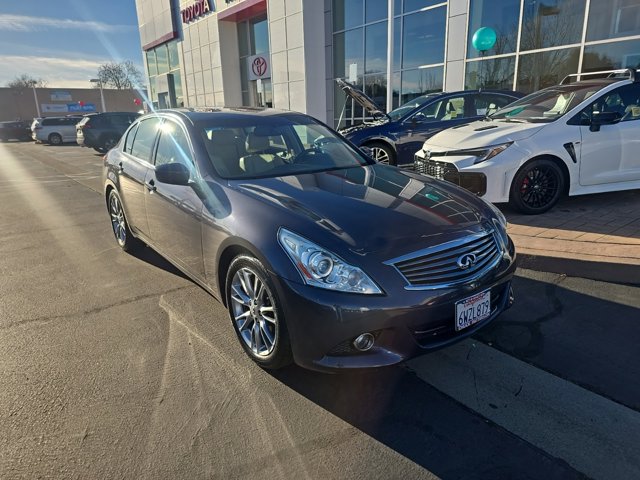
{"points": [[575, 138], [55, 130]]}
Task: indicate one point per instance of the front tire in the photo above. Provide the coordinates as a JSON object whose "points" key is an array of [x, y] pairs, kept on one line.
{"points": [[119, 224], [537, 187], [382, 153], [256, 314]]}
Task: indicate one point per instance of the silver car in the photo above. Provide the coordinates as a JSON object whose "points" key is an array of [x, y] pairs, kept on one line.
{"points": [[55, 130]]}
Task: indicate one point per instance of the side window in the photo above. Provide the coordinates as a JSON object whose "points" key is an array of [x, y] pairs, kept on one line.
{"points": [[486, 103], [442, 110], [131, 134], [623, 101], [173, 146], [146, 135]]}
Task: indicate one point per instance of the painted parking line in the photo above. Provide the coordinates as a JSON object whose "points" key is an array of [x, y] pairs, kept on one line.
{"points": [[594, 435]]}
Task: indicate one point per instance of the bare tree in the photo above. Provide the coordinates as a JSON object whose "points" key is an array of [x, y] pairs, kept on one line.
{"points": [[122, 76], [27, 81]]}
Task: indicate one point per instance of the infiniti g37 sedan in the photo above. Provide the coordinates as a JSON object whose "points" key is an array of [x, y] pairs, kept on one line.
{"points": [[322, 256]]}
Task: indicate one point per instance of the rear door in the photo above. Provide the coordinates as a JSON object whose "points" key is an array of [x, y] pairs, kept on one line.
{"points": [[135, 167], [175, 211], [67, 127]]}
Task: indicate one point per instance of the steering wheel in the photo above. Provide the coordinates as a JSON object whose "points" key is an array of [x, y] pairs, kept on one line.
{"points": [[305, 155]]}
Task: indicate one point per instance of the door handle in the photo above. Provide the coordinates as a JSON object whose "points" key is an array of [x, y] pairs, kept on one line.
{"points": [[151, 185], [120, 168]]}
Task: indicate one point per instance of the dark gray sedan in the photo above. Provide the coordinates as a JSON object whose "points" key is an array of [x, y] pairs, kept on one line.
{"points": [[321, 255]]}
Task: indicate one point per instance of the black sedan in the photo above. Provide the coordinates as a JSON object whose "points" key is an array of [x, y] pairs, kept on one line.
{"points": [[17, 130], [321, 255], [396, 136]]}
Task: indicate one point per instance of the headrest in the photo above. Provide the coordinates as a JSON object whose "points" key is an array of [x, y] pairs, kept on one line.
{"points": [[223, 137], [256, 143]]}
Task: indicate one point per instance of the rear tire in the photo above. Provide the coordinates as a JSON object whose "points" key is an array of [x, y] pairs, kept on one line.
{"points": [[55, 139], [537, 186], [256, 315], [119, 224]]}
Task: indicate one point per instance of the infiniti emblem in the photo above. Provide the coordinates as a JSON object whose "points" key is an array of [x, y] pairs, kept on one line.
{"points": [[467, 260]]}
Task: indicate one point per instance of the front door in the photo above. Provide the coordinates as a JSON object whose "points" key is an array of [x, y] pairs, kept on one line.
{"points": [[174, 212], [610, 155], [431, 119]]}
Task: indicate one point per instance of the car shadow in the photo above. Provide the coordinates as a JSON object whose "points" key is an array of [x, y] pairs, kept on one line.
{"points": [[150, 256], [554, 328], [614, 213]]}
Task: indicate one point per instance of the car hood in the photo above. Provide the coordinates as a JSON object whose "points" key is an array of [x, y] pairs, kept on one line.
{"points": [[483, 133], [360, 98], [374, 208]]}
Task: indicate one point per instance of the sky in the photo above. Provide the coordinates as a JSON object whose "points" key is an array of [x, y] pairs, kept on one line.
{"points": [[65, 41]]}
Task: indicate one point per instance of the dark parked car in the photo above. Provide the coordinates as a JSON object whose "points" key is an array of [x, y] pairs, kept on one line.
{"points": [[396, 136], [102, 131], [15, 131], [321, 255]]}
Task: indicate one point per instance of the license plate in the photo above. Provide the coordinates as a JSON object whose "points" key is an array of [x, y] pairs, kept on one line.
{"points": [[473, 310]]}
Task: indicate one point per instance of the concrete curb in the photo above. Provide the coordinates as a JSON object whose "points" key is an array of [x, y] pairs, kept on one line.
{"points": [[627, 274]]}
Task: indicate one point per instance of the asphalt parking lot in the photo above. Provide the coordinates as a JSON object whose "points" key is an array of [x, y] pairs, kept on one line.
{"points": [[115, 366]]}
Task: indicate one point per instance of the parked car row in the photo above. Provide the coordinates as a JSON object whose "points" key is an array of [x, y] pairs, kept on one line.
{"points": [[100, 131], [575, 138]]}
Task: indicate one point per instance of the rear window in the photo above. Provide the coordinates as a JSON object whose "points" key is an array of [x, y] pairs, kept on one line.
{"points": [[146, 135]]}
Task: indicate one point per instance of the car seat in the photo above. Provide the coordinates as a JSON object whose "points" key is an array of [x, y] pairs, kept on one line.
{"points": [[258, 159], [225, 149]]}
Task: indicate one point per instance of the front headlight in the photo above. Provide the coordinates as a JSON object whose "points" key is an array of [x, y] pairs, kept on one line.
{"points": [[482, 154], [321, 268]]}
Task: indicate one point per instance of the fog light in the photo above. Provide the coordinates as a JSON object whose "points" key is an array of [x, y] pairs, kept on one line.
{"points": [[364, 342]]}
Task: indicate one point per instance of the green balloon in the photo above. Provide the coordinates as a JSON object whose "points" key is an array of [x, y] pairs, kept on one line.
{"points": [[484, 39]]}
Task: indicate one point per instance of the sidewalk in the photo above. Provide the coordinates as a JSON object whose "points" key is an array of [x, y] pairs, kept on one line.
{"points": [[590, 236]]}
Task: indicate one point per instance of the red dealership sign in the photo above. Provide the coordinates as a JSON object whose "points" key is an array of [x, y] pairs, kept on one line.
{"points": [[196, 10]]}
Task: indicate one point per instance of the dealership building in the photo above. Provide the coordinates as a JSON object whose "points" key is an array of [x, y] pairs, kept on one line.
{"points": [[287, 53]]}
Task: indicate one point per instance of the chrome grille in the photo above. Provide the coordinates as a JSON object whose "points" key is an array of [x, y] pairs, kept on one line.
{"points": [[438, 266], [434, 169]]}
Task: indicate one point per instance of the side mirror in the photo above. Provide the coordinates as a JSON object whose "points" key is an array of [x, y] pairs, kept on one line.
{"points": [[173, 174], [603, 118]]}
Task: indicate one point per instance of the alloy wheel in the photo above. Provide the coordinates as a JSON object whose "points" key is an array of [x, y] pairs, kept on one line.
{"points": [[539, 187], [118, 222], [380, 155], [254, 312]]}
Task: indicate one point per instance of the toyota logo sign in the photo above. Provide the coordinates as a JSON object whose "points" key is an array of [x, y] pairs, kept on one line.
{"points": [[259, 66]]}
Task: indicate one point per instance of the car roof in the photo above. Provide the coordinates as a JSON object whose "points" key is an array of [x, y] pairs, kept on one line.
{"points": [[222, 113]]}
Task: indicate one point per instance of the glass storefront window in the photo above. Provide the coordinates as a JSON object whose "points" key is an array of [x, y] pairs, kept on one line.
{"points": [[397, 43], [502, 16], [613, 18], [420, 81], [611, 56], [162, 57], [348, 49], [544, 69], [177, 83], [375, 10], [152, 66], [174, 61], [259, 36], [243, 39], [551, 23], [348, 14], [375, 86], [412, 5], [423, 38], [375, 48], [496, 73]]}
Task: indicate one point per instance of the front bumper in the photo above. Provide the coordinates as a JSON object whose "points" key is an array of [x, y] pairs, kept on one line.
{"points": [[323, 324]]}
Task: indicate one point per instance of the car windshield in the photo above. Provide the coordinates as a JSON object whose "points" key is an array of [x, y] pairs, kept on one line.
{"points": [[547, 105], [258, 147], [405, 108]]}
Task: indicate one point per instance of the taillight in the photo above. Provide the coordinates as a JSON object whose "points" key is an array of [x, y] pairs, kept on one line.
{"points": [[86, 125]]}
